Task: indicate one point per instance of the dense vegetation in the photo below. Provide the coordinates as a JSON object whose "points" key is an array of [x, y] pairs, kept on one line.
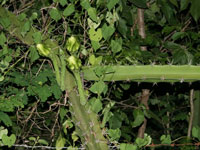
{"points": [[92, 74]]}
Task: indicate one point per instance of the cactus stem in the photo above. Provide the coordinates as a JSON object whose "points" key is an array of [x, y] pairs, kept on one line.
{"points": [[97, 141], [78, 123], [91, 124]]}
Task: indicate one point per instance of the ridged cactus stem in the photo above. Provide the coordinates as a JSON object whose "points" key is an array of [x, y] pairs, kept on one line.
{"points": [[146, 73]]}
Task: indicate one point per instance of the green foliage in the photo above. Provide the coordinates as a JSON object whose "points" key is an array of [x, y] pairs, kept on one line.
{"points": [[104, 35]]}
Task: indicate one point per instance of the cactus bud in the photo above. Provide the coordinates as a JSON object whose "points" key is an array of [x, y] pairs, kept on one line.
{"points": [[72, 44], [44, 51], [74, 63]]}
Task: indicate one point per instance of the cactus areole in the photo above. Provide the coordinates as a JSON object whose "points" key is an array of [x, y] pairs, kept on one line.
{"points": [[146, 73]]}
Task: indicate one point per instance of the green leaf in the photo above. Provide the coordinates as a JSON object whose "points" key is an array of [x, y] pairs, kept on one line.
{"points": [[168, 11], [174, 2], [63, 2], [22, 17], [139, 3], [60, 142], [69, 10], [165, 139], [3, 39], [5, 22], [43, 142], [55, 14], [37, 37], [92, 12], [111, 4], [33, 54], [184, 4], [95, 35], [25, 28], [98, 87], [3, 131], [138, 117], [85, 4], [122, 28], [95, 61], [95, 104], [9, 140], [107, 31], [96, 45], [5, 119], [143, 141], [116, 45], [194, 9], [124, 146], [178, 35], [114, 134], [115, 121], [196, 132]]}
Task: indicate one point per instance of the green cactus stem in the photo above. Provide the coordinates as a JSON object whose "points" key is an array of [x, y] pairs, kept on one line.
{"points": [[146, 73]]}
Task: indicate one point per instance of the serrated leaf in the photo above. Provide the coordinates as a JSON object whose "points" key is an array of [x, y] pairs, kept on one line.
{"points": [[107, 31], [33, 54], [92, 12], [138, 117], [95, 35], [196, 132], [98, 87], [124, 146], [115, 134], [25, 28], [9, 140], [5, 119], [5, 22], [85, 4], [166, 139], [178, 35], [37, 37], [95, 104], [96, 45], [55, 14], [60, 142], [69, 10], [63, 2], [3, 39], [116, 45], [111, 4]]}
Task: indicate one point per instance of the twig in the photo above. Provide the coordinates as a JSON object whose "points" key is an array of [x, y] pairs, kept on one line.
{"points": [[191, 113]]}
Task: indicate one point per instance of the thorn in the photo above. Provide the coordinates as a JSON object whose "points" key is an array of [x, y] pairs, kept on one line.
{"points": [[138, 83], [113, 81], [128, 80], [70, 103], [172, 83], [182, 80], [190, 62], [91, 124], [155, 83], [143, 78], [97, 141], [190, 83], [89, 111], [152, 64], [162, 78]]}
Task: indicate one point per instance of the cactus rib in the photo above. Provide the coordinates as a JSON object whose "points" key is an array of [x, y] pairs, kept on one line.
{"points": [[146, 73]]}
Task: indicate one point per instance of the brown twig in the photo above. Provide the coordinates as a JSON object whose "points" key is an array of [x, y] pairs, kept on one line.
{"points": [[191, 113]]}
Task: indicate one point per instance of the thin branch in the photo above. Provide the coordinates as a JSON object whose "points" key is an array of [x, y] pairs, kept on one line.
{"points": [[191, 113]]}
